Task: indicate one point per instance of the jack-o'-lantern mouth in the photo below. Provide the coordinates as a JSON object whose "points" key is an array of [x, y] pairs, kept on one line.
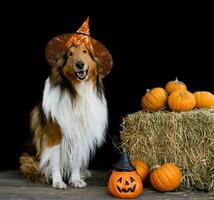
{"points": [[126, 190]]}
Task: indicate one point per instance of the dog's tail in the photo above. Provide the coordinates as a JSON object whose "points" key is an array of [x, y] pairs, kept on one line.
{"points": [[30, 169]]}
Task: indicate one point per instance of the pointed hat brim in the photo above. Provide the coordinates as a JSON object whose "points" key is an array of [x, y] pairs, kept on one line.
{"points": [[56, 48]]}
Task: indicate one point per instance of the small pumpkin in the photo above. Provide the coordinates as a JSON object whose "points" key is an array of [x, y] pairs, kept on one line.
{"points": [[181, 100], [154, 99], [204, 99], [165, 178], [141, 168], [124, 181], [172, 86]]}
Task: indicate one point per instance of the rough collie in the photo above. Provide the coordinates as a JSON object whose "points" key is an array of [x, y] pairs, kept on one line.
{"points": [[71, 121]]}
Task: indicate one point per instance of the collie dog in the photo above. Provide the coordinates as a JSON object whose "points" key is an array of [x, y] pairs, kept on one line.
{"points": [[70, 122]]}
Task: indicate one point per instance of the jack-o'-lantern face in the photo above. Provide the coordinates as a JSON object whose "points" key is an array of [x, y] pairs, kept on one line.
{"points": [[125, 184]]}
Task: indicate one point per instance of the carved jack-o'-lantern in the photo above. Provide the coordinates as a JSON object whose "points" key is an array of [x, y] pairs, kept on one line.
{"points": [[124, 182]]}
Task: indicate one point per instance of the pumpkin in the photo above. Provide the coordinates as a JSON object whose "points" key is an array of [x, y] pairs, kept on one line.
{"points": [[141, 168], [204, 99], [181, 100], [124, 181], [172, 86], [154, 99], [166, 177]]}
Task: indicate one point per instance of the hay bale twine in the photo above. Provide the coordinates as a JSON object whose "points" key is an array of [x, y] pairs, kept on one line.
{"points": [[185, 138]]}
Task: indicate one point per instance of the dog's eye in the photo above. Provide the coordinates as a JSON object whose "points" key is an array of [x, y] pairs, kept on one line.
{"points": [[84, 51], [70, 53]]}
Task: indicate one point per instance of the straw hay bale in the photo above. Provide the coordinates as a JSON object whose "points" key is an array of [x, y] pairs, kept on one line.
{"points": [[185, 138]]}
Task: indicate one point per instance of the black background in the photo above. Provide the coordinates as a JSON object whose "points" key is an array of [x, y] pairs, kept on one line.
{"points": [[149, 47]]}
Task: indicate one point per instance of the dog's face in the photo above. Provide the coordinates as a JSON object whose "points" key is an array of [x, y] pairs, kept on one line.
{"points": [[80, 64]]}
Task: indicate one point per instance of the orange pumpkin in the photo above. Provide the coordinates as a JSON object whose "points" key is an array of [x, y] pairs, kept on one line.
{"points": [[154, 99], [124, 181], [125, 184], [172, 86], [165, 178], [181, 100], [204, 99], [141, 168]]}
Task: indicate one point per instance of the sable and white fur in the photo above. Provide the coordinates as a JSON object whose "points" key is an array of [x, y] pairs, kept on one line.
{"points": [[69, 124]]}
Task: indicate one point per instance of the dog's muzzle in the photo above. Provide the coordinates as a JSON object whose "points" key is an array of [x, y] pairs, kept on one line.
{"points": [[81, 70]]}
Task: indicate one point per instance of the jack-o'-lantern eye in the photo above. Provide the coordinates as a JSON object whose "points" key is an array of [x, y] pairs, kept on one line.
{"points": [[119, 180], [132, 179]]}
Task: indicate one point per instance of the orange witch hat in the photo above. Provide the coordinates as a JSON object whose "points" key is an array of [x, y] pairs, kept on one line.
{"points": [[59, 45], [82, 37]]}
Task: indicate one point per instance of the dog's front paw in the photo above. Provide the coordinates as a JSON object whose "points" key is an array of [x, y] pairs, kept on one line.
{"points": [[78, 183], [59, 185]]}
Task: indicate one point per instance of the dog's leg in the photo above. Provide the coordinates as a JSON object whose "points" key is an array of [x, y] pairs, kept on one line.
{"points": [[55, 168], [75, 179]]}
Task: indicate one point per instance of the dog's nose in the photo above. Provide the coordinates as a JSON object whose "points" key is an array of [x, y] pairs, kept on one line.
{"points": [[80, 64]]}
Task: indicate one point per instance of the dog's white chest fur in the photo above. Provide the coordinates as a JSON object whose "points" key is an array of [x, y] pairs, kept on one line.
{"points": [[83, 122]]}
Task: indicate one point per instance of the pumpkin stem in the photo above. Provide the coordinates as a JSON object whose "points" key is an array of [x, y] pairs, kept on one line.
{"points": [[147, 90], [154, 167], [176, 79]]}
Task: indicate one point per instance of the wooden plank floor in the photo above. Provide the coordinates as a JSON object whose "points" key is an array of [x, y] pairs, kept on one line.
{"points": [[13, 186]]}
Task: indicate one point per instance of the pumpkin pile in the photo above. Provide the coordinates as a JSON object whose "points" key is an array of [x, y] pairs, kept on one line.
{"points": [[176, 96], [174, 126]]}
